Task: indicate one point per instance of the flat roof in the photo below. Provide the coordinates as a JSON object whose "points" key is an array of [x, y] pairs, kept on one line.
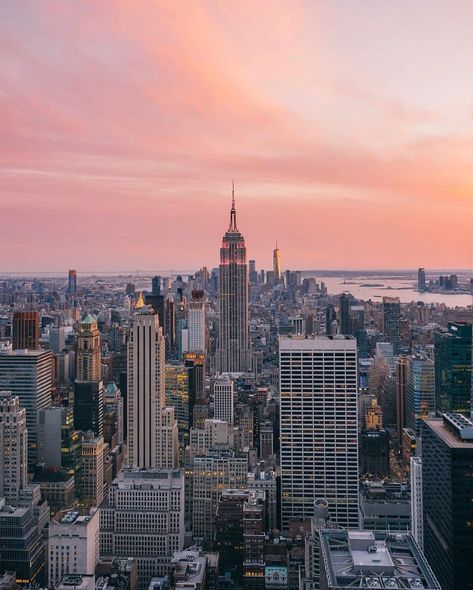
{"points": [[337, 342], [448, 437]]}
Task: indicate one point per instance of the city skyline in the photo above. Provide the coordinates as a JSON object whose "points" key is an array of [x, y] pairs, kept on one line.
{"points": [[338, 136]]}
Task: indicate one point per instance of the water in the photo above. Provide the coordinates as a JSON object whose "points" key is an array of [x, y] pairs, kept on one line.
{"points": [[404, 288]]}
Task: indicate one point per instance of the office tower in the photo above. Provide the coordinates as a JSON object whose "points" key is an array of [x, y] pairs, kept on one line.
{"points": [[233, 354], [266, 443], [318, 425], [113, 416], [152, 429], [421, 280], [265, 480], [92, 477], [401, 385], [345, 324], [73, 545], [195, 365], [57, 488], [28, 375], [229, 533], [59, 444], [72, 284], [57, 339], [330, 320], [453, 369], [22, 547], [417, 503], [372, 559], [420, 391], [196, 323], [252, 273], [26, 330], [177, 395], [374, 444], [385, 350], [447, 465], [88, 351], [156, 286], [223, 399], [143, 518], [13, 448], [392, 322], [89, 406], [385, 506], [215, 471], [277, 265]]}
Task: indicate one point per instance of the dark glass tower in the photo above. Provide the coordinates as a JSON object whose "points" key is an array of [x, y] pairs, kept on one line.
{"points": [[25, 330], [447, 475], [392, 322], [453, 369], [233, 354]]}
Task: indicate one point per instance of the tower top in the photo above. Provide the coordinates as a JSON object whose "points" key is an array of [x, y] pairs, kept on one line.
{"points": [[140, 302], [233, 224]]}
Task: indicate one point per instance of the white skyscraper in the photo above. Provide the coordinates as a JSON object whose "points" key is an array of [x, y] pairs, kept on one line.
{"points": [[318, 422], [13, 448], [417, 508], [73, 545], [152, 428], [196, 323], [223, 399], [143, 518]]}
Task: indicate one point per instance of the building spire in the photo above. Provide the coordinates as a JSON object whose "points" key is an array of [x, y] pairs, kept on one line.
{"points": [[233, 225]]}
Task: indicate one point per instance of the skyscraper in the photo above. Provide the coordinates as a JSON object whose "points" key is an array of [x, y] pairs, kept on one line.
{"points": [[420, 390], [152, 429], [223, 400], [28, 374], [25, 330], [421, 280], [13, 448], [453, 369], [392, 322], [447, 482], [196, 323], [318, 425], [277, 264], [345, 324], [72, 286], [233, 354], [88, 350]]}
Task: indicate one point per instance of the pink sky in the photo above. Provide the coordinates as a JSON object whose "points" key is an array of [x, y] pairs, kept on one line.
{"points": [[347, 126]]}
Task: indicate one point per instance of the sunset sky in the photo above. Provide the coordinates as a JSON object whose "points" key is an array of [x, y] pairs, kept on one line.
{"points": [[346, 124]]}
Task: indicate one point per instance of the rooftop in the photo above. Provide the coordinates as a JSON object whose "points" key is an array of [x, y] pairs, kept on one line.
{"points": [[447, 435], [369, 559]]}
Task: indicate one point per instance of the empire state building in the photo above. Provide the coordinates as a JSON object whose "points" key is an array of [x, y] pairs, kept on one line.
{"points": [[233, 353]]}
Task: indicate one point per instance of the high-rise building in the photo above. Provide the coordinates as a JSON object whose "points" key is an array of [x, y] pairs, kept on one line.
{"points": [[22, 547], [392, 322], [152, 428], [417, 504], [72, 285], [453, 369], [196, 323], [88, 351], [223, 399], [318, 425], [277, 264], [113, 416], [330, 320], [252, 273], [447, 483], [195, 365], [13, 448], [26, 330], [421, 286], [143, 518], [420, 390], [92, 477], [177, 395], [401, 385], [73, 545], [211, 474], [345, 323], [233, 354], [89, 406], [28, 375], [57, 339]]}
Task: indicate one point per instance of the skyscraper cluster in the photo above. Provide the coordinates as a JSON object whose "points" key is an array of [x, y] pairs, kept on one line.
{"points": [[238, 427]]}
